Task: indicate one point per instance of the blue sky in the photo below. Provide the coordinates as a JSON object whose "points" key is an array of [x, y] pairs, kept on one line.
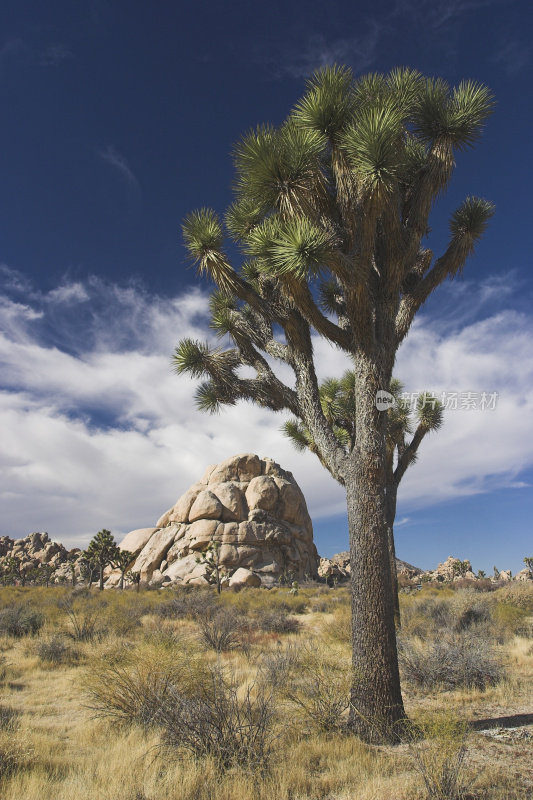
{"points": [[119, 118]]}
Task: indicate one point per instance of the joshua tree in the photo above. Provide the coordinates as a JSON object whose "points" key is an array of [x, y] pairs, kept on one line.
{"points": [[211, 559], [44, 574], [331, 212], [528, 561], [102, 551], [337, 398], [122, 560], [134, 577]]}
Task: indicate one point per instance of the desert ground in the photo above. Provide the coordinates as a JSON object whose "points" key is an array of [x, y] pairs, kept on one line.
{"points": [[174, 693]]}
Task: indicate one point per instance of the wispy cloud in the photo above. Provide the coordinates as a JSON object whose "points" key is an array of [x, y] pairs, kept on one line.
{"points": [[68, 293], [116, 160], [301, 59], [513, 56]]}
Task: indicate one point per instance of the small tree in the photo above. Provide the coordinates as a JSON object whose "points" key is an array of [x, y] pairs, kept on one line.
{"points": [[102, 551], [122, 560], [528, 561], [13, 570], [211, 559], [496, 572], [44, 574], [481, 573], [134, 577]]}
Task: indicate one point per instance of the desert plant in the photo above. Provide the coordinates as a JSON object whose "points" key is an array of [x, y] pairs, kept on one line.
{"points": [[330, 212], [314, 681], [277, 622], [55, 651], [133, 685], [233, 726], [461, 660], [221, 631], [20, 620], [102, 550], [83, 617], [122, 560], [438, 749]]}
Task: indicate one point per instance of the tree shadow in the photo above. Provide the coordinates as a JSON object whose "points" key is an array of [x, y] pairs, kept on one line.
{"points": [[514, 721]]}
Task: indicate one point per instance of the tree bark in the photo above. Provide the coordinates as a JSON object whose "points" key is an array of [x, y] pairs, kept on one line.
{"points": [[392, 491], [101, 583], [376, 701]]}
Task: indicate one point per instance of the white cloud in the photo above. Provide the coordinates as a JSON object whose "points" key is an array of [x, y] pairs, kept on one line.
{"points": [[68, 293], [103, 434]]}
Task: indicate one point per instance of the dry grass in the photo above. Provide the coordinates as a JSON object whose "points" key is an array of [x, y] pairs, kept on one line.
{"points": [[52, 744]]}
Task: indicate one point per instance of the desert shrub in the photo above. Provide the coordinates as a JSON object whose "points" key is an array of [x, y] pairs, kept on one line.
{"points": [[438, 749], [219, 720], [20, 620], [277, 622], [320, 605], [314, 681], [84, 617], [517, 594], [56, 651], [276, 667], [130, 685], [122, 620], [511, 620], [222, 630], [192, 603], [460, 660]]}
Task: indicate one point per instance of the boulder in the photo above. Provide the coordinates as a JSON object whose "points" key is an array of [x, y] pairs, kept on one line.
{"points": [[251, 508], [244, 577], [136, 540]]}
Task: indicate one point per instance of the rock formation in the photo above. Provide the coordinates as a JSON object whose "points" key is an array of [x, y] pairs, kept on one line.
{"points": [[35, 550], [338, 566], [250, 509]]}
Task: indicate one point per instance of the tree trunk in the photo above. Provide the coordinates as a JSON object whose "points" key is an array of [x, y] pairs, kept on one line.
{"points": [[392, 491], [121, 584], [101, 583], [376, 700]]}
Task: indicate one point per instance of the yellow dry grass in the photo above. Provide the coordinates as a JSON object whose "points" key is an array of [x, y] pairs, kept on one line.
{"points": [[58, 749]]}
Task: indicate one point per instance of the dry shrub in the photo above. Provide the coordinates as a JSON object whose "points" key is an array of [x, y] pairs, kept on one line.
{"points": [[460, 660], [131, 685], [277, 622], [440, 757], [20, 620], [222, 631], [218, 719], [518, 594], [189, 603], [83, 615], [55, 651], [313, 680]]}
